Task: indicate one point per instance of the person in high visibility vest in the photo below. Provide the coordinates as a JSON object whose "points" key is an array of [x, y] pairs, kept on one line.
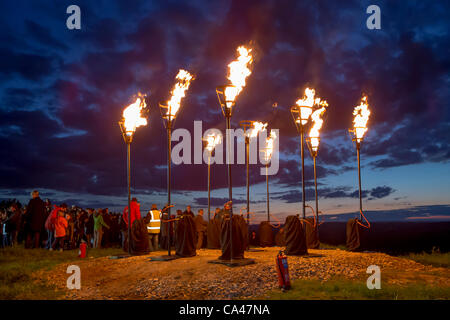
{"points": [[154, 227]]}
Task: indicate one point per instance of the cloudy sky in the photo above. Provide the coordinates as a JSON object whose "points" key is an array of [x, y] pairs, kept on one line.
{"points": [[62, 92]]}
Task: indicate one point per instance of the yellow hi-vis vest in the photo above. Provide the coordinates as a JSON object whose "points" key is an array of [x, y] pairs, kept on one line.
{"points": [[155, 223]]}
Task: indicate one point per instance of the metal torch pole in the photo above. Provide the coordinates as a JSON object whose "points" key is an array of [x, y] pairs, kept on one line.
{"points": [[303, 169], [358, 146], [169, 178], [315, 187], [230, 192], [209, 187], [317, 196], [267, 187], [247, 149], [129, 194]]}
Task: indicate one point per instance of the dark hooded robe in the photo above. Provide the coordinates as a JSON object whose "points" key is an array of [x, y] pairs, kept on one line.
{"points": [[354, 231], [139, 238], [213, 231], [238, 244], [186, 236], [312, 234], [265, 234], [280, 240], [295, 237]]}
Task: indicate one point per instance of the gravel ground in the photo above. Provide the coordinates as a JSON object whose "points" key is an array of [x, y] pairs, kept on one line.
{"points": [[195, 278]]}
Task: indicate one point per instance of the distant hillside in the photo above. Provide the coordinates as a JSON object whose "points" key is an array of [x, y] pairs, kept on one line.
{"points": [[420, 213]]}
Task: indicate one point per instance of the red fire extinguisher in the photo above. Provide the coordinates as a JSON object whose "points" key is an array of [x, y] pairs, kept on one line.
{"points": [[283, 271], [82, 251]]}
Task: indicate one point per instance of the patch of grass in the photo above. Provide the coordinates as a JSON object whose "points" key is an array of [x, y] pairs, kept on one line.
{"points": [[435, 259], [18, 264], [330, 246], [353, 290]]}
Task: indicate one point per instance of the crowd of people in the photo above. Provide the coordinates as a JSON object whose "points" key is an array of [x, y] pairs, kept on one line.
{"points": [[41, 224]]}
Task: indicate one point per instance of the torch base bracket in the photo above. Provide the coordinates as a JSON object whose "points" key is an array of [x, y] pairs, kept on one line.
{"points": [[164, 258], [234, 262]]}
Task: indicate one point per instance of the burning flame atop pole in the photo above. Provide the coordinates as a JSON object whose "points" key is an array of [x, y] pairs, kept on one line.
{"points": [[179, 91], [257, 127], [361, 114], [269, 145], [316, 117], [132, 115], [213, 140], [306, 103], [239, 71]]}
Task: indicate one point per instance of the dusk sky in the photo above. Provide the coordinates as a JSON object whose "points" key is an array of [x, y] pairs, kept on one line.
{"points": [[62, 92]]}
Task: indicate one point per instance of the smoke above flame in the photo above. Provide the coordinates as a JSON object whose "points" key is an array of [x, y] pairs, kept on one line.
{"points": [[213, 140], [179, 91], [238, 73], [133, 115], [361, 114]]}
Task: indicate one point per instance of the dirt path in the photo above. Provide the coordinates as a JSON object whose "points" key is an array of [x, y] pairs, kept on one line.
{"points": [[195, 278]]}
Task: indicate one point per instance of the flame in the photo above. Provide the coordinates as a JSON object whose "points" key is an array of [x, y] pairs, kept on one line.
{"points": [[269, 145], [316, 117], [361, 114], [132, 115], [179, 91], [213, 140], [306, 104], [238, 72], [257, 127]]}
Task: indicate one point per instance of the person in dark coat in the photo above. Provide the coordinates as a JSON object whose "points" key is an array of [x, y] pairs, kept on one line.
{"points": [[13, 223], [218, 214], [200, 226], [189, 212], [107, 232], [167, 228]]}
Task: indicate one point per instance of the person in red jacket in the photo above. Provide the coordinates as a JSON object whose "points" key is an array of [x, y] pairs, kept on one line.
{"points": [[60, 231], [135, 215], [50, 224], [135, 212]]}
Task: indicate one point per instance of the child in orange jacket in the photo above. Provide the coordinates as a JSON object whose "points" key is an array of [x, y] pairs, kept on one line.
{"points": [[60, 231]]}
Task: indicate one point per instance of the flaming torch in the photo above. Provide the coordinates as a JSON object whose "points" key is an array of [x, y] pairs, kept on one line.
{"points": [[132, 118], [251, 129], [313, 143], [169, 114], [238, 73], [301, 114], [268, 151], [361, 114], [211, 141]]}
